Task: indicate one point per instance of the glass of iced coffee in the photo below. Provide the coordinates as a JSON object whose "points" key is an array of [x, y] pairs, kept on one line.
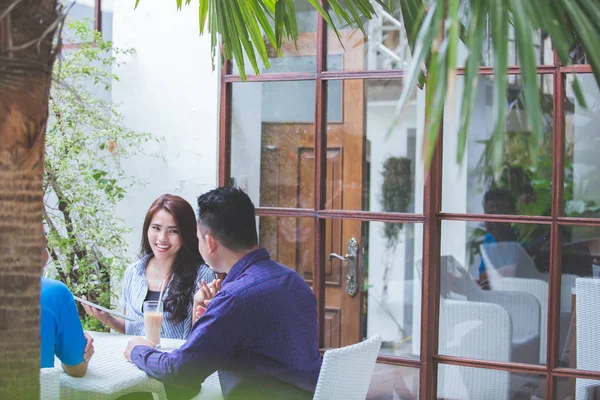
{"points": [[153, 318]]}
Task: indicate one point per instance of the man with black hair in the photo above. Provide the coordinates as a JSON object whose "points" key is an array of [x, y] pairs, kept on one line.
{"points": [[259, 331], [497, 201]]}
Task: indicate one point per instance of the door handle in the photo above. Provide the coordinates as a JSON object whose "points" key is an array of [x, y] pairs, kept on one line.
{"points": [[352, 271]]}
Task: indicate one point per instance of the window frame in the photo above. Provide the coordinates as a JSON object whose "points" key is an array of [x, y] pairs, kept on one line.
{"points": [[431, 218]]}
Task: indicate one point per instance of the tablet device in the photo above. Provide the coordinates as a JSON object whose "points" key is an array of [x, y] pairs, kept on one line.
{"points": [[111, 312]]}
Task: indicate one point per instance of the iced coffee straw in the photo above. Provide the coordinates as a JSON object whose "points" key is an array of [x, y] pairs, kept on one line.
{"points": [[162, 286]]}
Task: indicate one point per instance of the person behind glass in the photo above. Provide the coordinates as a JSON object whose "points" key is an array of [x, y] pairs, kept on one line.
{"points": [[497, 201], [259, 331], [61, 333], [169, 254]]}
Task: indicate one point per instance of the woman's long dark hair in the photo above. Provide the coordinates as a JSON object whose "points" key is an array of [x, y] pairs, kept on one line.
{"points": [[187, 260]]}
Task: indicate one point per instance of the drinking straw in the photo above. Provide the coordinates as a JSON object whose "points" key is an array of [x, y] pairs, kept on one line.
{"points": [[162, 286]]}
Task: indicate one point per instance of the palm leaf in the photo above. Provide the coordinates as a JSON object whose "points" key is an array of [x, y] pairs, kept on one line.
{"points": [[524, 40], [248, 26], [475, 37], [499, 24]]}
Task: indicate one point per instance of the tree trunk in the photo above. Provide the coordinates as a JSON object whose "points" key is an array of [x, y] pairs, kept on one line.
{"points": [[27, 53]]}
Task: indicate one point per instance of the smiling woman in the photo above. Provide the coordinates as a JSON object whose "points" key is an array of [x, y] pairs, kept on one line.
{"points": [[169, 260]]}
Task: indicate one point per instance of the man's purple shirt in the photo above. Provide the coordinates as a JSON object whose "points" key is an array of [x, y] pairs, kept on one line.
{"points": [[262, 324]]}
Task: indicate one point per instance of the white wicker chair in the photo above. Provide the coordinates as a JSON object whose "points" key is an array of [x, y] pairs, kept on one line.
{"points": [[523, 308], [346, 372], [587, 309], [539, 289], [49, 383], [474, 330]]}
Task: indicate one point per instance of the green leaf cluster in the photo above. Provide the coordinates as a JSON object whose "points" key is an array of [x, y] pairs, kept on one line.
{"points": [[434, 38], [86, 142]]}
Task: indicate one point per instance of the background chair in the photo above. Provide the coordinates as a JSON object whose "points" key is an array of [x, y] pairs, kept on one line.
{"points": [[587, 317], [474, 330], [346, 372], [523, 308], [49, 384], [539, 289]]}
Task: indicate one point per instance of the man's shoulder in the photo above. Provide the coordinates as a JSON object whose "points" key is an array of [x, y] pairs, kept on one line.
{"points": [[267, 277], [54, 294], [54, 287]]}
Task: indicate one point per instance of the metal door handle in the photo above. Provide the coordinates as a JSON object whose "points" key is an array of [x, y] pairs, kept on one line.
{"points": [[335, 255], [352, 258]]}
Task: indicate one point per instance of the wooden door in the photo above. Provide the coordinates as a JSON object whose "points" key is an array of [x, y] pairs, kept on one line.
{"points": [[287, 180]]}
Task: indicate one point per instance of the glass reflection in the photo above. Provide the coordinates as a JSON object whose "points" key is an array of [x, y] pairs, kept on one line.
{"points": [[79, 11], [394, 382], [456, 382], [528, 183], [373, 162], [272, 142], [392, 289], [388, 300], [494, 291], [577, 388], [580, 298], [289, 241], [582, 165], [295, 57], [386, 47]]}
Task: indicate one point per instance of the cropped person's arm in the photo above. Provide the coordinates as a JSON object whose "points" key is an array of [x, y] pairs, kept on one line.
{"points": [[77, 371], [70, 341]]}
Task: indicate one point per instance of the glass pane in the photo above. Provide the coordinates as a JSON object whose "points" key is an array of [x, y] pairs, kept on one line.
{"points": [[582, 165], [578, 54], [372, 150], [494, 291], [272, 142], [521, 186], [394, 382], [580, 298], [456, 382], [299, 57], [577, 388], [107, 18], [387, 296], [384, 48], [80, 11], [541, 42], [290, 242]]}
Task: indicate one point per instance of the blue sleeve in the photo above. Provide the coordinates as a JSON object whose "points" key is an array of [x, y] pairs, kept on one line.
{"points": [[70, 342], [487, 239]]}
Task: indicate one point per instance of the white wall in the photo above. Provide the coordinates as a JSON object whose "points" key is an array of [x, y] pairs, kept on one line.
{"points": [[380, 116], [167, 87]]}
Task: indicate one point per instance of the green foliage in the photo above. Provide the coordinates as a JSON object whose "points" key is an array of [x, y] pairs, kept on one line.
{"points": [[569, 24], [434, 29], [396, 192], [84, 180], [250, 26]]}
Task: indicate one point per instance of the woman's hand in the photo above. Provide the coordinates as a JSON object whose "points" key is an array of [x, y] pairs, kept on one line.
{"points": [[94, 312]]}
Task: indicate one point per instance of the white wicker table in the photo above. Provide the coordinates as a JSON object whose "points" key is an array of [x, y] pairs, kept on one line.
{"points": [[110, 375]]}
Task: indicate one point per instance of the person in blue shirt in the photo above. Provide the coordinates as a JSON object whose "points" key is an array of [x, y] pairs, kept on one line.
{"points": [[260, 331], [497, 201], [61, 333]]}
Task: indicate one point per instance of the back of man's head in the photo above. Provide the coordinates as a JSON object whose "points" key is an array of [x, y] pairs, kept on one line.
{"points": [[227, 213]]}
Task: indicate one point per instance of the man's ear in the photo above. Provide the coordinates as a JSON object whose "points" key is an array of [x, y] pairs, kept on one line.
{"points": [[211, 243]]}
